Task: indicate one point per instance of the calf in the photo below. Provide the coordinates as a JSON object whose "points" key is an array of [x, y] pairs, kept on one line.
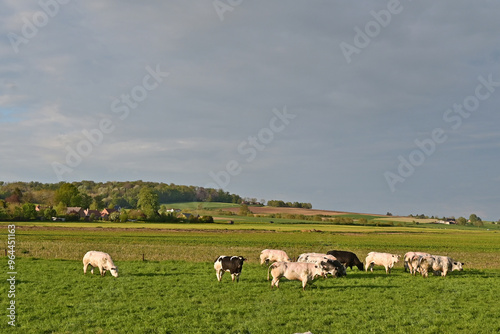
{"points": [[381, 259], [232, 264], [438, 263], [273, 255], [298, 271], [348, 259], [100, 260]]}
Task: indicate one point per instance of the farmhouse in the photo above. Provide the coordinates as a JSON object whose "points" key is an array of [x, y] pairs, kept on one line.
{"points": [[446, 222], [75, 210], [106, 212]]}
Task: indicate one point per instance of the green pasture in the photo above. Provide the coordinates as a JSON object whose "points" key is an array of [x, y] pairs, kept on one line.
{"points": [[174, 290], [200, 205]]}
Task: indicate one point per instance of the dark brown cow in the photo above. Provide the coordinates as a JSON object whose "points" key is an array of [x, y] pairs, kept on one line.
{"points": [[348, 259]]}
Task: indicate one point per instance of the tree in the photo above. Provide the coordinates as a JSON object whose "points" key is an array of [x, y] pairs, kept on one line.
{"points": [[49, 213], [475, 220], [148, 202], [244, 210], [61, 208], [67, 194], [461, 221], [97, 203], [123, 216], [29, 211], [114, 216]]}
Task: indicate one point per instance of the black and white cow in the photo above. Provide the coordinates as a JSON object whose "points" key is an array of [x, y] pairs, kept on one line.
{"points": [[348, 259], [232, 264]]}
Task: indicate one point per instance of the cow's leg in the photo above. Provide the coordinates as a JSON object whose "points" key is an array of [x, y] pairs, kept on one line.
{"points": [[275, 282], [219, 274]]}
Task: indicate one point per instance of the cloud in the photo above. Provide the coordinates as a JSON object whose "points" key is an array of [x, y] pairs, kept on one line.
{"points": [[226, 77]]}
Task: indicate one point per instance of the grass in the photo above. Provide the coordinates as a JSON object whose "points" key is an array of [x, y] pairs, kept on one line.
{"points": [[184, 297], [175, 289]]}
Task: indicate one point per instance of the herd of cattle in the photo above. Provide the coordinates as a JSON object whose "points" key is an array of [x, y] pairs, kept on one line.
{"points": [[308, 265]]}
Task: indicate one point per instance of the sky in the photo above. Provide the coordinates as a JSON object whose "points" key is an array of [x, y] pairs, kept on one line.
{"points": [[366, 106]]}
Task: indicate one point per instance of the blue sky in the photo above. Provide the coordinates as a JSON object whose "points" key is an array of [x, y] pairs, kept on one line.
{"points": [[369, 107]]}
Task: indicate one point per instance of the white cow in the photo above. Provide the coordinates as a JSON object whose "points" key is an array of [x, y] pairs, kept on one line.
{"points": [[100, 260], [438, 263], [298, 271], [408, 258], [331, 264], [315, 257], [273, 255], [381, 259]]}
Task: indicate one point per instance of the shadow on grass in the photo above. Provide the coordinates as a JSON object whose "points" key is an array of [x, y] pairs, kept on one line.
{"points": [[161, 274]]}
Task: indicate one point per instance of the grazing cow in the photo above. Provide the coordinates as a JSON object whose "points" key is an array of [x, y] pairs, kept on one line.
{"points": [[381, 259], [100, 260], [408, 257], [414, 263], [273, 255], [348, 259], [438, 263], [315, 257], [298, 271], [332, 266], [232, 264]]}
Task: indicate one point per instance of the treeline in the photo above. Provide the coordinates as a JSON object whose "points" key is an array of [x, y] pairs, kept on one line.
{"points": [[15, 196], [282, 204]]}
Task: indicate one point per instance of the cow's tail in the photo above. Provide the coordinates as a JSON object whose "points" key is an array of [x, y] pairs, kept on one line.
{"points": [[269, 269], [273, 265]]}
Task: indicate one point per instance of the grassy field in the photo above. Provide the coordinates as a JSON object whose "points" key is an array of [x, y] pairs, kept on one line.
{"points": [[175, 290]]}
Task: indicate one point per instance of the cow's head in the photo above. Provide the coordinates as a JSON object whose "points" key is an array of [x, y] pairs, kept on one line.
{"points": [[457, 266], [114, 271], [319, 271]]}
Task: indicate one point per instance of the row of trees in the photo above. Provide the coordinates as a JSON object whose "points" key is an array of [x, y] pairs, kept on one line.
{"points": [[473, 219], [18, 200], [99, 195], [282, 204]]}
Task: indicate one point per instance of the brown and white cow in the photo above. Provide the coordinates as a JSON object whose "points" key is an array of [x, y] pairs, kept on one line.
{"points": [[297, 271], [99, 260], [273, 255], [381, 259], [331, 265], [410, 256], [232, 264], [438, 263]]}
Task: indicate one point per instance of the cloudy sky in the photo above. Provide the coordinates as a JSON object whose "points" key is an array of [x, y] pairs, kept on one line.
{"points": [[369, 107]]}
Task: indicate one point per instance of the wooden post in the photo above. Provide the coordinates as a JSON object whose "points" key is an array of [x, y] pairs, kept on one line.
{"points": [[142, 256]]}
